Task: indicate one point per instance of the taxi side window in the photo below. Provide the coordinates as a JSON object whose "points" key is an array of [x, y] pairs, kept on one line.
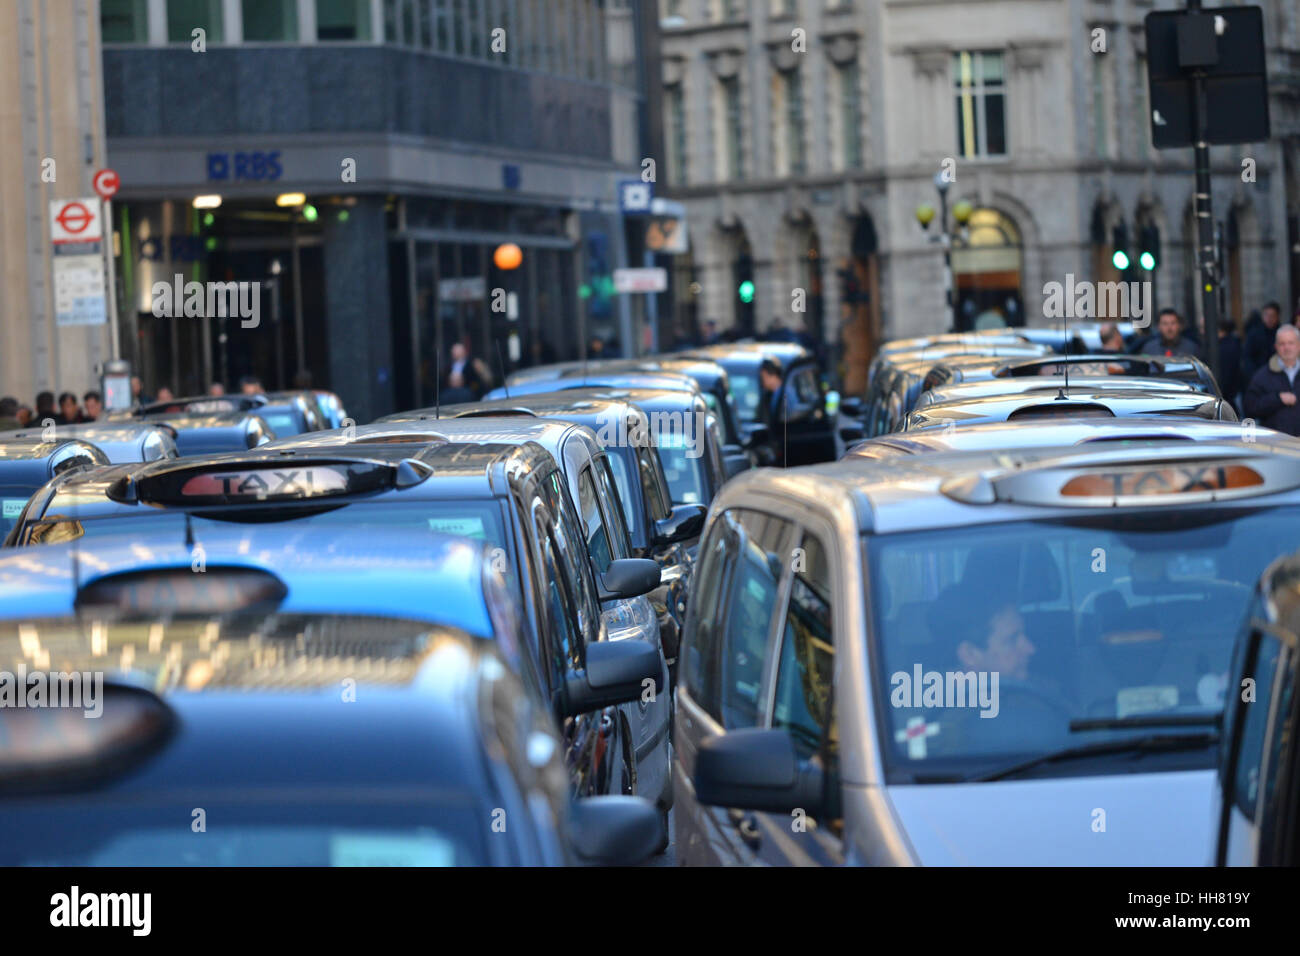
{"points": [[572, 551], [804, 704], [700, 667], [653, 485], [589, 510], [562, 640], [1278, 761], [619, 537], [1255, 714], [751, 602]]}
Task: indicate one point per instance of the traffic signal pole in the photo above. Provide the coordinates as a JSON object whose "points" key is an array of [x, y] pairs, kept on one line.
{"points": [[1207, 258]]}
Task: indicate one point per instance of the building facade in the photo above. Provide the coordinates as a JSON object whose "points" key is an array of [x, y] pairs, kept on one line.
{"points": [[802, 135], [362, 161], [51, 144]]}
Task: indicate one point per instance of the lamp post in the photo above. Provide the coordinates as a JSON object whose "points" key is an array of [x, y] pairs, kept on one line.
{"points": [[961, 213]]}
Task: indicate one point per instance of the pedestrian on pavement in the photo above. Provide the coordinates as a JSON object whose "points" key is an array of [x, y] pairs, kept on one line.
{"points": [[216, 389], [466, 378], [138, 397], [69, 410], [24, 415], [250, 385], [1230, 379], [1169, 339], [1112, 340], [9, 414], [1271, 394], [45, 409], [94, 405], [1257, 349], [164, 394]]}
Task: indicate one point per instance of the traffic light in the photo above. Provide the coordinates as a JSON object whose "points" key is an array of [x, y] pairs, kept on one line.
{"points": [[1149, 248], [746, 292], [1119, 244]]}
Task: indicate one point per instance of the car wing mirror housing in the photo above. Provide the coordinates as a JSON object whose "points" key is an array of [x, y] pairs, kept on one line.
{"points": [[759, 769], [617, 672], [682, 524], [614, 830], [629, 578]]}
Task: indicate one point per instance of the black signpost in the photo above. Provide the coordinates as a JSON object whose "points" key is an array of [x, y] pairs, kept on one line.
{"points": [[1208, 87]]}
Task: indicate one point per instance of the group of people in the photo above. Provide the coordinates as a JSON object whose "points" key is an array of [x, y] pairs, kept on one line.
{"points": [[1256, 371], [68, 410]]}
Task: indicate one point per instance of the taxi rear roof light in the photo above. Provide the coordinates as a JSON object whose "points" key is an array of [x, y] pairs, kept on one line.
{"points": [[1061, 409], [259, 481], [1179, 473], [218, 590]]}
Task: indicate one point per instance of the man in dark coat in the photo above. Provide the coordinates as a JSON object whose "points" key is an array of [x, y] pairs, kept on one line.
{"points": [[1271, 394], [1230, 380], [1257, 348]]}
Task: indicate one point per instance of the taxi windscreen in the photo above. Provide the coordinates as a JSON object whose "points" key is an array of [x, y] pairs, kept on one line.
{"points": [[1006, 641], [687, 481], [13, 498]]}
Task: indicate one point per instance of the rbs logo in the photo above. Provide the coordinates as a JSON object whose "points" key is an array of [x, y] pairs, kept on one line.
{"points": [[256, 166]]}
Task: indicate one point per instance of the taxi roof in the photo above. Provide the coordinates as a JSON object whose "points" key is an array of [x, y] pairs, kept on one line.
{"points": [[325, 570], [954, 489], [963, 391], [225, 682], [112, 438], [597, 378], [28, 461], [1012, 435], [1078, 400]]}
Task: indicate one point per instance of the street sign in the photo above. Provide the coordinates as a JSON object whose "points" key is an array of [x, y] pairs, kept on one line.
{"points": [[472, 289], [641, 280], [1223, 49], [106, 183], [75, 221], [77, 232], [635, 196]]}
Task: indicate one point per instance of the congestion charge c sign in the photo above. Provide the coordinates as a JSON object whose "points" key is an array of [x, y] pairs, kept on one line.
{"points": [[254, 166]]}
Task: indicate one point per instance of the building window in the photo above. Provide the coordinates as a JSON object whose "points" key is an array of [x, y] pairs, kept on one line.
{"points": [[474, 27], [124, 21], [270, 21], [850, 115], [1101, 100], [782, 8], [186, 16], [725, 10], [728, 131], [675, 109], [342, 20], [981, 104], [390, 21], [794, 125]]}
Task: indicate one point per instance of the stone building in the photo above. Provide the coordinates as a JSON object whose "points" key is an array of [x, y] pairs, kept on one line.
{"points": [[802, 135]]}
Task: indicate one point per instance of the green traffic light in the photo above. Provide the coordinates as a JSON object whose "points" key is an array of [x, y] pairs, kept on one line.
{"points": [[1147, 261], [1120, 260], [309, 212], [746, 291]]}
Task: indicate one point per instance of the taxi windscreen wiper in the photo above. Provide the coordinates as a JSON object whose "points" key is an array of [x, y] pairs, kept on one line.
{"points": [[1146, 720], [1150, 743]]}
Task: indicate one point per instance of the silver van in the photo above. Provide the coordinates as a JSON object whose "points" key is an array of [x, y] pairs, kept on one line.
{"points": [[1013, 657]]}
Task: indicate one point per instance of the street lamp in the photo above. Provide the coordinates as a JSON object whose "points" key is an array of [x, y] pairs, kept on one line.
{"points": [[961, 213]]}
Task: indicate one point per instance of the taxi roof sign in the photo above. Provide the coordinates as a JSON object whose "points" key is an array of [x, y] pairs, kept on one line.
{"points": [[1173, 473]]}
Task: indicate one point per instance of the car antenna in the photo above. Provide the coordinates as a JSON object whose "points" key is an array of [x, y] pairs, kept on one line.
{"points": [[1065, 366], [189, 532], [437, 385], [502, 363]]}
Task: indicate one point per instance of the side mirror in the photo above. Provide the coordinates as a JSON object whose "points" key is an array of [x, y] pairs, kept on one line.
{"points": [[614, 831], [758, 769], [685, 522], [629, 578], [616, 674]]}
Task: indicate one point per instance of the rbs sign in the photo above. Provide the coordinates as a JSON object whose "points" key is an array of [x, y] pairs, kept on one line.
{"points": [[253, 166]]}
